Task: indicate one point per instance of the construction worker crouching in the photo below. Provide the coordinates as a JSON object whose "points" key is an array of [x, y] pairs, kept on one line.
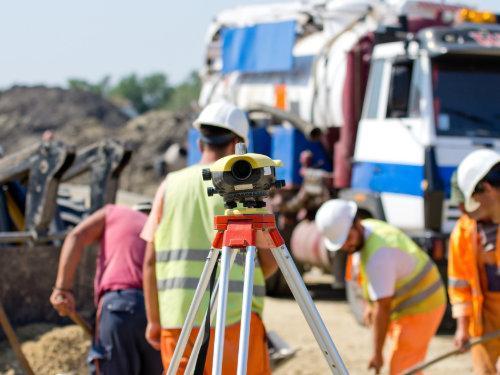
{"points": [[179, 233], [401, 281], [474, 258]]}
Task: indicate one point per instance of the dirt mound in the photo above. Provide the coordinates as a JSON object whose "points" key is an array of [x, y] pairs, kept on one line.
{"points": [[76, 116], [50, 350], [151, 134], [81, 118]]}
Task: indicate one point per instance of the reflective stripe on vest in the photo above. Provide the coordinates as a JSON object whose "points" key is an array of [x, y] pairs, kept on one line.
{"points": [[191, 283], [192, 255], [420, 291], [458, 283], [413, 282], [418, 297], [183, 236]]}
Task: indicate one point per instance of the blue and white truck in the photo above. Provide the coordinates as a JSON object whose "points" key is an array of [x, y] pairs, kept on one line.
{"points": [[395, 93]]}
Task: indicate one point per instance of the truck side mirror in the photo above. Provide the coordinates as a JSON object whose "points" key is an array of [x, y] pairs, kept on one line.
{"points": [[399, 91]]}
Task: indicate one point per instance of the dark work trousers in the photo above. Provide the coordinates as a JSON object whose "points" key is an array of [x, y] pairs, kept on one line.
{"points": [[121, 347]]}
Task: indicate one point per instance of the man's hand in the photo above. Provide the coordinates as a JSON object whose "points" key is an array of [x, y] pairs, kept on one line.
{"points": [[461, 338], [462, 333], [368, 315], [63, 301], [153, 335], [376, 363]]}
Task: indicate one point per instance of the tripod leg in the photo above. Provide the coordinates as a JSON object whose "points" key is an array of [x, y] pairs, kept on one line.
{"points": [[246, 310], [220, 324], [193, 309], [311, 314], [197, 344]]}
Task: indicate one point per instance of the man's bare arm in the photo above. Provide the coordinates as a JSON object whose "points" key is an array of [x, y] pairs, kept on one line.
{"points": [[84, 234], [381, 319], [153, 329], [267, 262]]}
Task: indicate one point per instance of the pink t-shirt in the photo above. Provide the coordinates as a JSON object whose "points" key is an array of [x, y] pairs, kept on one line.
{"points": [[119, 263]]}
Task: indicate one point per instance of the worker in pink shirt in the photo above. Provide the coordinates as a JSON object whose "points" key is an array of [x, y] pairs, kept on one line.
{"points": [[119, 345]]}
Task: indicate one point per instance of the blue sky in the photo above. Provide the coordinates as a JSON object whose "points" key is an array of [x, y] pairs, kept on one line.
{"points": [[47, 42]]}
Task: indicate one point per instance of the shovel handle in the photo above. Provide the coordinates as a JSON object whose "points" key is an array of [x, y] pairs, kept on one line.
{"points": [[479, 340], [77, 319], [14, 342]]}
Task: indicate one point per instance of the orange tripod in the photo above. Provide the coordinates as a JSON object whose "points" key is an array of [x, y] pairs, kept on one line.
{"points": [[246, 231]]}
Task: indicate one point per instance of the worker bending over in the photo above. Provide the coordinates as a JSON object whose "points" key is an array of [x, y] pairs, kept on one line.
{"points": [[474, 259], [401, 281], [179, 233], [119, 345]]}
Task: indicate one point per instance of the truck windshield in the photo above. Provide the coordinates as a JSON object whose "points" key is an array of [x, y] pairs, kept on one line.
{"points": [[467, 96]]}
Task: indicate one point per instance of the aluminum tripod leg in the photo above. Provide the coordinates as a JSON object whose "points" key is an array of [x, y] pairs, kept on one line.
{"points": [[246, 310], [213, 310], [193, 309], [311, 314], [220, 324]]}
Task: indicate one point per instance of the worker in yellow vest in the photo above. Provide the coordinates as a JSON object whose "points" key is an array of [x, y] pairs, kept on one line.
{"points": [[179, 232], [399, 279]]}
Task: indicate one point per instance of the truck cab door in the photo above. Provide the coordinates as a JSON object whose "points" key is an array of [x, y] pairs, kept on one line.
{"points": [[390, 151]]}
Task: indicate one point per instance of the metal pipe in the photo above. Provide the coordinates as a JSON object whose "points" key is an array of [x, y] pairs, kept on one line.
{"points": [[246, 310], [220, 324], [311, 131], [311, 314], [193, 309], [26, 236]]}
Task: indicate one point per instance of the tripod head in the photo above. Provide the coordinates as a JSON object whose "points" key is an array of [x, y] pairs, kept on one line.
{"points": [[244, 178]]}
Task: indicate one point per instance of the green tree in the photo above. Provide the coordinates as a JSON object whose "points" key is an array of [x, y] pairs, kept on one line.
{"points": [[130, 88], [101, 87], [156, 90], [185, 93], [145, 93]]}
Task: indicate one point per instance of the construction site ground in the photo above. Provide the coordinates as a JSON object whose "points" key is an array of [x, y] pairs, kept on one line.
{"points": [[61, 350]]}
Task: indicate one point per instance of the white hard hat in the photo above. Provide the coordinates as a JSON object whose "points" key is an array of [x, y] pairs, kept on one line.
{"points": [[473, 169], [334, 220], [224, 115]]}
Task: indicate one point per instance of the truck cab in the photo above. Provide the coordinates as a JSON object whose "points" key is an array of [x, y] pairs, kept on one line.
{"points": [[429, 102]]}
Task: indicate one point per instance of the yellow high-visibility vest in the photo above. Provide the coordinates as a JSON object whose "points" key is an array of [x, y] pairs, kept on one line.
{"points": [[423, 289], [182, 243]]}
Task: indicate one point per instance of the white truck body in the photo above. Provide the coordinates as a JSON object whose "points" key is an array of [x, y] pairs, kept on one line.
{"points": [[397, 159]]}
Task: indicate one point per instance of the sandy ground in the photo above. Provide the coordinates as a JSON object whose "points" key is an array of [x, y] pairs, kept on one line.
{"points": [[61, 350], [49, 349], [353, 341]]}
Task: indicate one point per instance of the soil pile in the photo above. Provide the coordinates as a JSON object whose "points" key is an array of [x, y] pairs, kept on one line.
{"points": [[76, 116], [50, 350], [81, 118], [151, 134]]}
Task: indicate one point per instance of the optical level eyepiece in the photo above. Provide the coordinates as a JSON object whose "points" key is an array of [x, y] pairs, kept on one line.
{"points": [[241, 170]]}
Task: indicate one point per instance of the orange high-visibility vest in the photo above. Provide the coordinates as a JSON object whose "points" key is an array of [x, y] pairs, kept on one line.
{"points": [[464, 286]]}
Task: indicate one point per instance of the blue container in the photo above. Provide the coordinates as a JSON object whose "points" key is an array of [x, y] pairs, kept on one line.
{"points": [[194, 154], [287, 144], [259, 141]]}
